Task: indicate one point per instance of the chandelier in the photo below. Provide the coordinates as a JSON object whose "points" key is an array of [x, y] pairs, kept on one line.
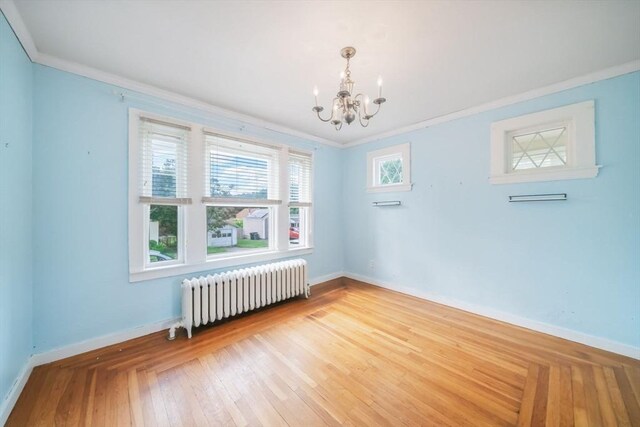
{"points": [[345, 106]]}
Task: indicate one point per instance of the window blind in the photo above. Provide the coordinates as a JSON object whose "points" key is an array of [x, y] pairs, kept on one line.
{"points": [[164, 162], [239, 171], [299, 179]]}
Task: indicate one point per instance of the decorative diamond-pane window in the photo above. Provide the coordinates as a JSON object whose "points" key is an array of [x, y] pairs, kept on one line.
{"points": [[547, 145], [390, 171], [542, 149]]}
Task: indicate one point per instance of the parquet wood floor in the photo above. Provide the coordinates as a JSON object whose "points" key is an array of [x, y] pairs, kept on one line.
{"points": [[353, 354]]}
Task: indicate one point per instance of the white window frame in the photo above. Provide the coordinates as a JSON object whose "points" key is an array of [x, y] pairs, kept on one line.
{"points": [[579, 119], [192, 235], [401, 151]]}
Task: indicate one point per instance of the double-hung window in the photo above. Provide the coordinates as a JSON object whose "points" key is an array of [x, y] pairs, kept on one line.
{"points": [[162, 191], [200, 199], [242, 195]]}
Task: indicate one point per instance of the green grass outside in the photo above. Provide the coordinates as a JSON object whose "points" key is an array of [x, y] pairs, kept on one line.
{"points": [[248, 243], [215, 250], [242, 243]]}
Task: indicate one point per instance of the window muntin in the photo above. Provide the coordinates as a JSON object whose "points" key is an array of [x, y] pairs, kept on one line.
{"points": [[543, 148], [389, 169]]}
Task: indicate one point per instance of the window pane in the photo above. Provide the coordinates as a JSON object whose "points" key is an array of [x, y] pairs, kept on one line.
{"points": [[299, 178], [237, 229], [234, 175], [390, 171], [547, 148], [163, 167], [163, 233], [294, 227], [164, 156]]}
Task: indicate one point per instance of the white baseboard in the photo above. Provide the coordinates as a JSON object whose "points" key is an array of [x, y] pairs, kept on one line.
{"points": [[321, 279], [558, 331], [12, 397], [95, 343], [99, 342], [117, 337]]}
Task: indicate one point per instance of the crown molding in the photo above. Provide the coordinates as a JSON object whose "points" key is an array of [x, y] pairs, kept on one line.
{"points": [[607, 73], [15, 21], [14, 18], [166, 95]]}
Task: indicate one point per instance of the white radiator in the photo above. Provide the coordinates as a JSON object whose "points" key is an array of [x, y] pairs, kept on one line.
{"points": [[222, 295]]}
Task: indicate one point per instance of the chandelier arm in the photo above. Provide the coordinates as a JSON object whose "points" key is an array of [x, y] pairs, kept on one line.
{"points": [[377, 110], [364, 123], [366, 113], [333, 103], [325, 120]]}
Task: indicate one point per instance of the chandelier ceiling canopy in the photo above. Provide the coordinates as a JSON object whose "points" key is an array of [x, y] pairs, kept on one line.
{"points": [[345, 106]]}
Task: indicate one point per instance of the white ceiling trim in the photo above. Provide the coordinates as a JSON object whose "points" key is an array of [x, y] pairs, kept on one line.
{"points": [[629, 67], [95, 74], [15, 20], [17, 24]]}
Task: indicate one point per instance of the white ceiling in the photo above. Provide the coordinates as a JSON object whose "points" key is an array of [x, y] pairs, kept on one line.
{"points": [[262, 58]]}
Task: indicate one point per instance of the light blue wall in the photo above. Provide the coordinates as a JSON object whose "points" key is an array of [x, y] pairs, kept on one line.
{"points": [[80, 220], [16, 281], [573, 264]]}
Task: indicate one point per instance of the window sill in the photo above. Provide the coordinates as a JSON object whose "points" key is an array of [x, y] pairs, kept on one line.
{"points": [[215, 264], [545, 175], [389, 188]]}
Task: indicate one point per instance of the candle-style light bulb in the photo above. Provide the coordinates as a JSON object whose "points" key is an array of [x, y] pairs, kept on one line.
{"points": [[379, 86], [342, 75], [315, 94], [366, 105]]}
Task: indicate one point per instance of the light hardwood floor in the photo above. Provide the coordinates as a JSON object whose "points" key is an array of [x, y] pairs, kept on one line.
{"points": [[353, 354]]}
